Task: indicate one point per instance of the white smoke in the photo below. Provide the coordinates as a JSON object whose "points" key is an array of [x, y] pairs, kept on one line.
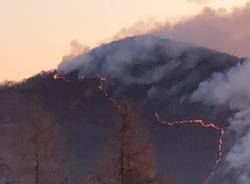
{"points": [[119, 56], [232, 88], [76, 49]]}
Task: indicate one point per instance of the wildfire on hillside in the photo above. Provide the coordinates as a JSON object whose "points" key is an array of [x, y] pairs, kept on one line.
{"points": [[199, 122], [204, 125]]}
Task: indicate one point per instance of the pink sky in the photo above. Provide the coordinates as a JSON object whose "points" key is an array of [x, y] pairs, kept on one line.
{"points": [[35, 35]]}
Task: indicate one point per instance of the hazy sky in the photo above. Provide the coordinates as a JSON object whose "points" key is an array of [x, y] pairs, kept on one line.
{"points": [[35, 34]]}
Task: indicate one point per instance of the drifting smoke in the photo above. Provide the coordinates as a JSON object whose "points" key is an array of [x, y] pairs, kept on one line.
{"points": [[141, 27], [201, 2], [76, 49], [232, 89], [218, 29], [223, 30]]}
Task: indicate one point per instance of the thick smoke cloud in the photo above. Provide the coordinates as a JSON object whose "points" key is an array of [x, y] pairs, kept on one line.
{"points": [[120, 56], [232, 89]]}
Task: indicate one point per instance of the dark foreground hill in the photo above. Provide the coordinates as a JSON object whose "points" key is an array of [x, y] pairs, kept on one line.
{"points": [[68, 131]]}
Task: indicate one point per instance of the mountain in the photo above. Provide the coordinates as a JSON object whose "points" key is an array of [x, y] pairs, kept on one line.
{"points": [[94, 119]]}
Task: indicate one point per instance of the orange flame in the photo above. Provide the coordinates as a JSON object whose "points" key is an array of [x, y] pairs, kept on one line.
{"points": [[205, 125], [102, 89], [56, 76]]}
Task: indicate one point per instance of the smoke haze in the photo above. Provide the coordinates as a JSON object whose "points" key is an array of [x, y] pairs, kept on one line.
{"points": [[223, 30]]}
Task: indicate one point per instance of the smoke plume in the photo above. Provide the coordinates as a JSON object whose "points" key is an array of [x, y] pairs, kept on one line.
{"points": [[232, 88]]}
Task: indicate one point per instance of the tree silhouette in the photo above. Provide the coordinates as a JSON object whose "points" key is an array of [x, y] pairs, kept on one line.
{"points": [[132, 159], [33, 150], [137, 153]]}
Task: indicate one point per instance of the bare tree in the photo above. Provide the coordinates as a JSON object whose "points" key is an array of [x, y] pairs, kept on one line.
{"points": [[137, 164], [33, 150], [48, 149], [131, 160]]}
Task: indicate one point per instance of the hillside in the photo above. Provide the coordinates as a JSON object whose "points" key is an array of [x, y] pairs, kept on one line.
{"points": [[96, 122]]}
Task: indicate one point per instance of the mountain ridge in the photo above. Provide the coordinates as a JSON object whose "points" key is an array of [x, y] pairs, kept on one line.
{"points": [[150, 79]]}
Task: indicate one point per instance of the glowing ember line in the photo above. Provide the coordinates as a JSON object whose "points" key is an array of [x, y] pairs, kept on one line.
{"points": [[169, 123], [102, 79], [102, 89], [181, 122], [205, 125]]}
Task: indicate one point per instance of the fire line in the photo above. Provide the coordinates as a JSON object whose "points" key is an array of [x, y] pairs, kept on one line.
{"points": [[171, 123], [205, 125]]}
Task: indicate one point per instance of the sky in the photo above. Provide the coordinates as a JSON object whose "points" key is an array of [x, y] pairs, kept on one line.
{"points": [[35, 34]]}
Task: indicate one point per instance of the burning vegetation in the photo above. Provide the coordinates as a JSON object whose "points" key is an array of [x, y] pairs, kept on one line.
{"points": [[204, 125], [125, 178]]}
